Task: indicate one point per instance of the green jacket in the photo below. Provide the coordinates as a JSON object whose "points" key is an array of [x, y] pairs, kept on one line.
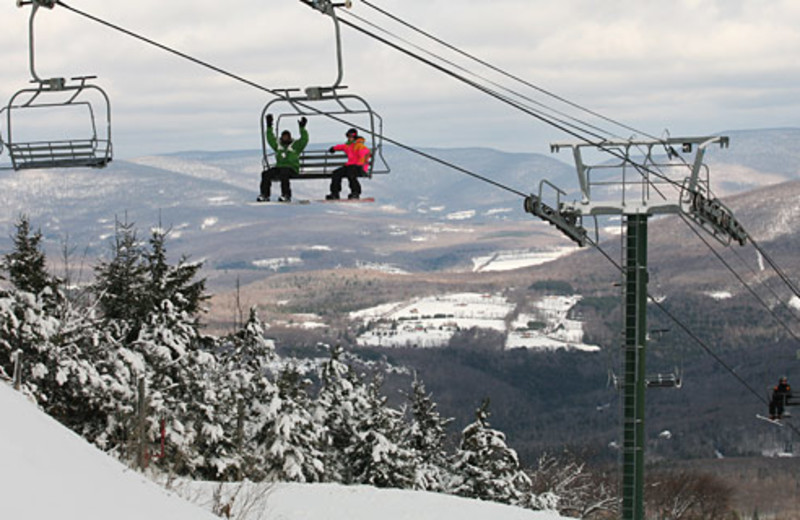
{"points": [[288, 156]]}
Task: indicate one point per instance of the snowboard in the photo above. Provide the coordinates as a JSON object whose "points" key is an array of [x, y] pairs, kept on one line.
{"points": [[773, 421], [312, 201]]}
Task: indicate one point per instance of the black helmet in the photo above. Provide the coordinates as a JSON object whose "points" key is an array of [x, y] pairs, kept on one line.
{"points": [[352, 133]]}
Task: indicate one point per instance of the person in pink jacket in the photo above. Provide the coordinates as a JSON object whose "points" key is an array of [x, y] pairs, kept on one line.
{"points": [[358, 156]]}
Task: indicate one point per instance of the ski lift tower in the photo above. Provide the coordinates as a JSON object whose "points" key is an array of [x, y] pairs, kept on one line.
{"points": [[642, 178]]}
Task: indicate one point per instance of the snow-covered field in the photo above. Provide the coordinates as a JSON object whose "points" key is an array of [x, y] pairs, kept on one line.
{"points": [[277, 263], [549, 327], [508, 260], [432, 322], [50, 473]]}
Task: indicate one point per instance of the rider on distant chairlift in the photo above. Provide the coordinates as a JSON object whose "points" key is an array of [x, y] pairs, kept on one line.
{"points": [[781, 394]]}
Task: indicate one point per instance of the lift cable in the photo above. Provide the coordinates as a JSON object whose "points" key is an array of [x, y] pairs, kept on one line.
{"points": [[600, 131], [486, 90], [279, 94], [740, 279], [766, 284], [522, 81], [731, 370], [392, 141], [793, 287], [502, 71], [432, 158], [642, 169]]}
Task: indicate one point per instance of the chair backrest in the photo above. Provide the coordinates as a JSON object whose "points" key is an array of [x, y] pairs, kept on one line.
{"points": [[55, 125]]}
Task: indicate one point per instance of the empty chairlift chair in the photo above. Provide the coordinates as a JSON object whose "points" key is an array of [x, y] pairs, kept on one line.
{"points": [[56, 123]]}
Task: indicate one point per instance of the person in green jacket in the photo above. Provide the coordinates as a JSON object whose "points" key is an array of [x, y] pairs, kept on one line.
{"points": [[287, 160]]}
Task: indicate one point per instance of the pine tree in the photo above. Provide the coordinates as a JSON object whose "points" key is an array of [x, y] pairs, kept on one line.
{"points": [[176, 369], [120, 282], [379, 455], [149, 307], [80, 380], [244, 357], [426, 437], [340, 403], [485, 467], [292, 439], [174, 283], [27, 328], [26, 263]]}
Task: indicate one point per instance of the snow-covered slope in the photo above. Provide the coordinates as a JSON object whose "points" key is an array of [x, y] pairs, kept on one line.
{"points": [[50, 473]]}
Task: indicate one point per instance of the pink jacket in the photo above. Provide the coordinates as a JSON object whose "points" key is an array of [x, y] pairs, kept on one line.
{"points": [[357, 152]]}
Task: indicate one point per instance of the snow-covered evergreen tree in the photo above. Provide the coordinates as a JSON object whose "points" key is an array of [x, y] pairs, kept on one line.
{"points": [[485, 467], [341, 401], [245, 395], [149, 307], [292, 439], [119, 283], [177, 284], [380, 455], [426, 434], [26, 331], [26, 263]]}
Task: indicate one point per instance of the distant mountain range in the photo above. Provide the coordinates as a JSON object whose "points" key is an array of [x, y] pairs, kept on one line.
{"points": [[427, 215]]}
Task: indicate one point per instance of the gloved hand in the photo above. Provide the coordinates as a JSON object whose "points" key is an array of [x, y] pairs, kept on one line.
{"points": [[331, 150], [302, 122], [269, 120]]}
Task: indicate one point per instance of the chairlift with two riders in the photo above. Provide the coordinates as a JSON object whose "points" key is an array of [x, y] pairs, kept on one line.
{"points": [[323, 104]]}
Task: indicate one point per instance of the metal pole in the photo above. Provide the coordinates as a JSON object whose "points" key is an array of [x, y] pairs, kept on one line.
{"points": [[635, 320], [18, 369], [141, 426]]}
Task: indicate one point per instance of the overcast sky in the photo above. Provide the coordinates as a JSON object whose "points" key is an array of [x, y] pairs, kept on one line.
{"points": [[688, 67]]}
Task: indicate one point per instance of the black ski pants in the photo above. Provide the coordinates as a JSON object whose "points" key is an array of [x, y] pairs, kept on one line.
{"points": [[282, 174], [351, 171]]}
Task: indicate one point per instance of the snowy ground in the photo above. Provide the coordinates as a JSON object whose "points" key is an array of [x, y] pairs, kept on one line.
{"points": [[432, 322], [50, 473], [335, 502]]}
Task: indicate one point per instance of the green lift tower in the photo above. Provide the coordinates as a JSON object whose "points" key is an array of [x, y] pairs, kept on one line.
{"points": [[636, 180]]}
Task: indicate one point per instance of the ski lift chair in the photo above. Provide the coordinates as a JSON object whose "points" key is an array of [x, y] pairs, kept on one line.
{"points": [[54, 124], [324, 108]]}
